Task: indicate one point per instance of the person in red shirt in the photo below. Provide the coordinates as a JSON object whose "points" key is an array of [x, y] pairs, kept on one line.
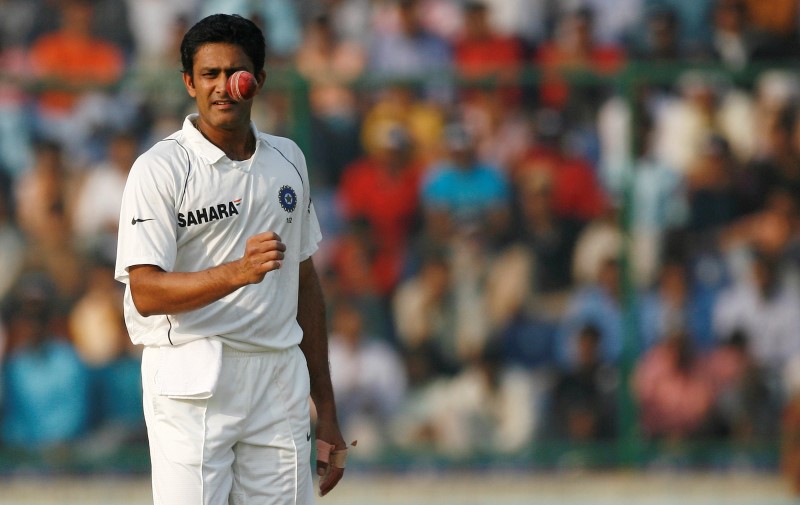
{"points": [[577, 192], [482, 53], [382, 191], [573, 49]]}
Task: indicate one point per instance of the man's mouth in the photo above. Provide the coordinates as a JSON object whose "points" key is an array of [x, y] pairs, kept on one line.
{"points": [[223, 102]]}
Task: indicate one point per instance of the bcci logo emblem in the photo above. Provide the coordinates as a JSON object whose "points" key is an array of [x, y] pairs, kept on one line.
{"points": [[287, 198]]}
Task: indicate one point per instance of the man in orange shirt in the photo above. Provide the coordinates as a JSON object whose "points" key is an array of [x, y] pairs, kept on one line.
{"points": [[70, 62]]}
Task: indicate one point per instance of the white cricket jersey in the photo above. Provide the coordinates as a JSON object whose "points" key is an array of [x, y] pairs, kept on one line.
{"points": [[188, 207]]}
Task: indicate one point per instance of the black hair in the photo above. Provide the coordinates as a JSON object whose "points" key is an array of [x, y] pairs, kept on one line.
{"points": [[591, 333], [475, 7], [224, 28], [664, 14]]}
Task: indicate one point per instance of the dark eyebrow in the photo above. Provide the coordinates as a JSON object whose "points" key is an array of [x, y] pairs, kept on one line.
{"points": [[218, 69]]}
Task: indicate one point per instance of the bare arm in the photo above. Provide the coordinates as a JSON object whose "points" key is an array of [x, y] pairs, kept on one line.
{"points": [[311, 317], [155, 291]]}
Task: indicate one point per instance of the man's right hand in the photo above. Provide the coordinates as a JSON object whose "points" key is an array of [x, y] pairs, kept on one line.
{"points": [[263, 253]]}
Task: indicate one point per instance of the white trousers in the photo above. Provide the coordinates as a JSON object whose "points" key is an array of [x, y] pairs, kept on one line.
{"points": [[249, 444]]}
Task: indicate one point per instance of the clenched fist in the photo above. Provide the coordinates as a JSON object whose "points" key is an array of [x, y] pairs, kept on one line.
{"points": [[263, 253]]}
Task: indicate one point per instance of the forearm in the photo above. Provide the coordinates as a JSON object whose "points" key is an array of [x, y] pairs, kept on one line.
{"points": [[311, 317], [158, 292]]}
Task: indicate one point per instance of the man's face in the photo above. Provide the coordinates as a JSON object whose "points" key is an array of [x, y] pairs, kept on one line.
{"points": [[213, 64]]}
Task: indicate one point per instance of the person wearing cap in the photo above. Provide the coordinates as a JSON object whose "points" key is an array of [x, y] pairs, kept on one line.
{"points": [[463, 192]]}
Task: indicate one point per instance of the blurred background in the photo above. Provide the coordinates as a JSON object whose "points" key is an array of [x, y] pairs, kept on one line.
{"points": [[560, 237]]}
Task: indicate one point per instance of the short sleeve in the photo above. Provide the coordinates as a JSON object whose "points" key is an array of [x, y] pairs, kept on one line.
{"points": [[148, 216], [311, 232]]}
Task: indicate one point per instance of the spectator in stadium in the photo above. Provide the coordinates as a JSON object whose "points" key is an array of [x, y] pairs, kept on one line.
{"points": [[279, 19], [369, 379], [713, 194], [95, 217], [582, 406], [402, 103], [16, 124], [747, 403], [498, 117], [525, 21], [598, 303], [491, 94], [658, 193], [772, 231], [705, 105], [461, 192], [693, 18], [660, 41], [790, 428], [412, 52], [150, 84], [43, 197], [777, 164], [533, 274], [675, 396], [18, 19], [735, 42], [672, 304], [774, 92], [351, 266], [577, 193], [152, 25], [480, 53], [613, 23], [574, 48], [765, 304], [351, 20], [776, 19], [331, 66], [381, 190], [599, 239], [83, 66], [97, 327], [485, 407], [12, 244], [425, 314], [42, 192], [110, 22], [46, 386]]}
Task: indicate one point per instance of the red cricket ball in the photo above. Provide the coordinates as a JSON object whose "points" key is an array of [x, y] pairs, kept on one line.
{"points": [[242, 85]]}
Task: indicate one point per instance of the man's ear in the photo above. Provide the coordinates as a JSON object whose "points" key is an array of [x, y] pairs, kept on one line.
{"points": [[188, 81], [261, 77]]}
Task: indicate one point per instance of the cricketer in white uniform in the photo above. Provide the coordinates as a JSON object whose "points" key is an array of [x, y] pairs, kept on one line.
{"points": [[217, 229]]}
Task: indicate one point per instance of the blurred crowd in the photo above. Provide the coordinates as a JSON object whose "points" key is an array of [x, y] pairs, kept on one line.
{"points": [[530, 209]]}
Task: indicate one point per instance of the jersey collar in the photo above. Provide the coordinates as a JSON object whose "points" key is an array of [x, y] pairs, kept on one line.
{"points": [[209, 151]]}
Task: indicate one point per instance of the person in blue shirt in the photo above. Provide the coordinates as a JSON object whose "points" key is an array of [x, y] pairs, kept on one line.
{"points": [[412, 52], [599, 304], [462, 192], [45, 384]]}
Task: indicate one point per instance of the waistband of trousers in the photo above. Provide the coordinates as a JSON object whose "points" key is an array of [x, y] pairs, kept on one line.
{"points": [[231, 352]]}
